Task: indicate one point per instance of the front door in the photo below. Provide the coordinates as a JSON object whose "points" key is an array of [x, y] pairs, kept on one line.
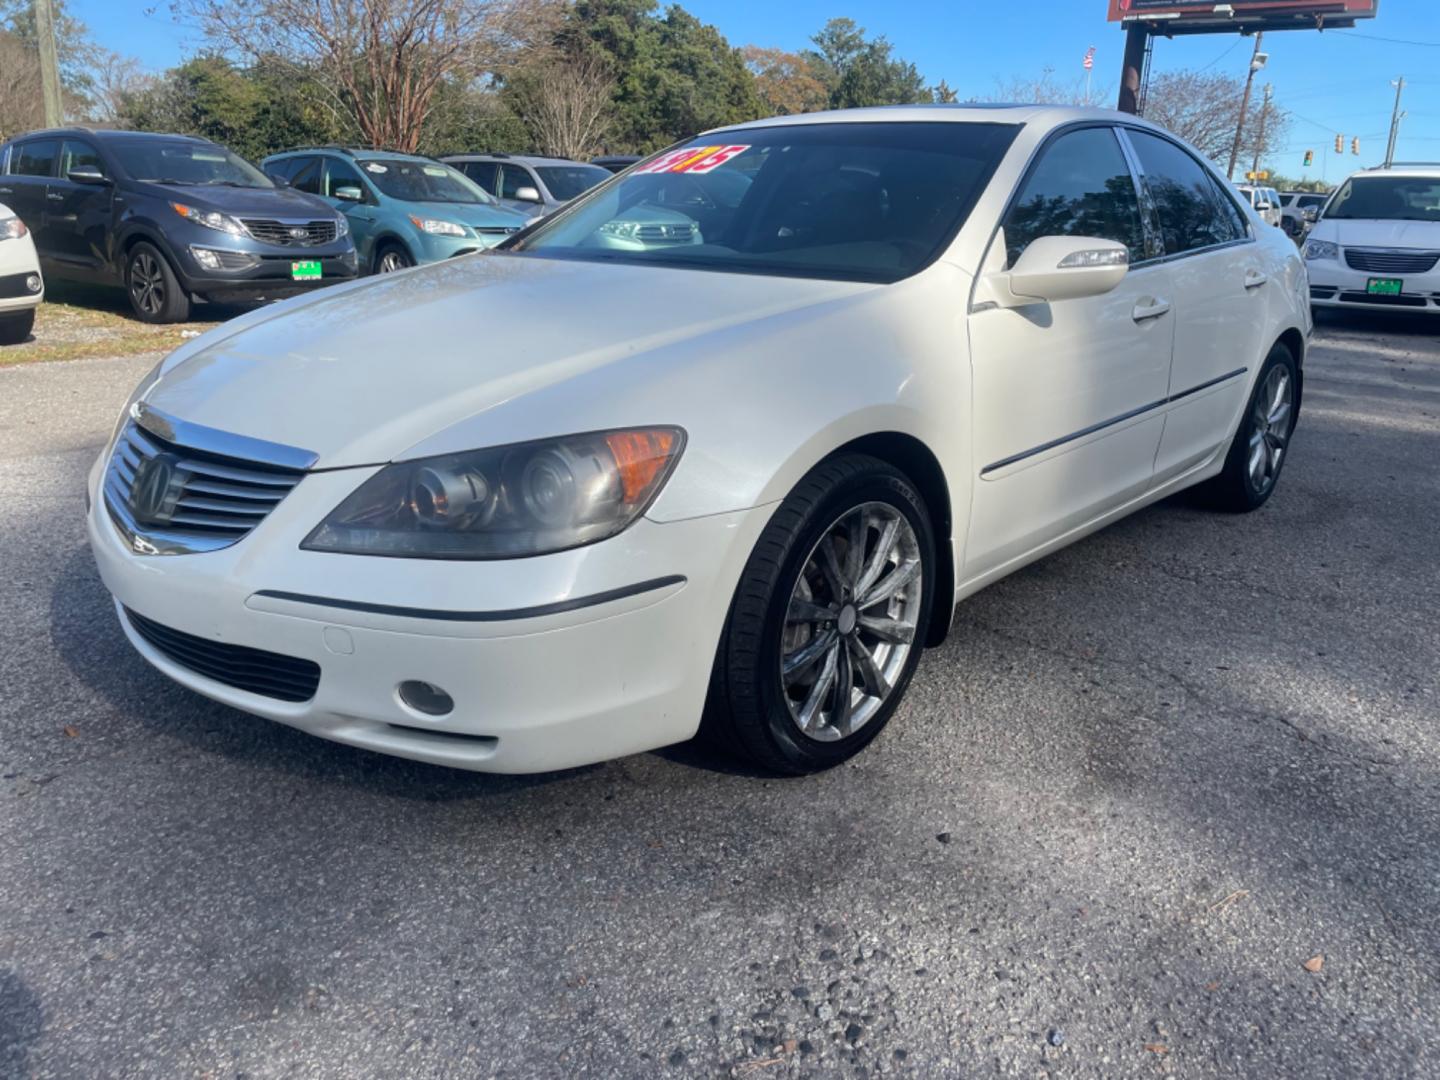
{"points": [[359, 212], [1220, 295], [1067, 396]]}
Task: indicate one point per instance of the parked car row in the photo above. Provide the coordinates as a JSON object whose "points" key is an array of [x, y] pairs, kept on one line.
{"points": [[177, 219]]}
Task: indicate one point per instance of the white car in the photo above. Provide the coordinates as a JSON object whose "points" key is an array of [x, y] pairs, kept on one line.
{"points": [[1377, 243], [21, 286], [1299, 210], [1265, 201], [549, 505]]}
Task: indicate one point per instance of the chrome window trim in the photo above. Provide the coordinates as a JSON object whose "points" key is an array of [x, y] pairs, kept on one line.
{"points": [[223, 443]]}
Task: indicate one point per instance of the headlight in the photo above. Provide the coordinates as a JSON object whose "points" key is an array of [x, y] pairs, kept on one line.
{"points": [[506, 502], [342, 227], [437, 227], [12, 228], [211, 219], [1321, 249]]}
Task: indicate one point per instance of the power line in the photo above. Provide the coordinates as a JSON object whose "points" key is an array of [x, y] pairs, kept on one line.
{"points": [[1391, 40], [1227, 52]]}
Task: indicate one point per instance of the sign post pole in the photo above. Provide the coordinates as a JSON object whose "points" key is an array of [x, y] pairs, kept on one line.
{"points": [[1136, 38]]}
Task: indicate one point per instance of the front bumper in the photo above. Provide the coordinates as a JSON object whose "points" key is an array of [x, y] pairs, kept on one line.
{"points": [[534, 690], [270, 276], [1333, 284]]}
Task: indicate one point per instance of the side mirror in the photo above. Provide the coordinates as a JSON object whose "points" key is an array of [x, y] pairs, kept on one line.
{"points": [[527, 194], [277, 179], [86, 174], [1311, 213], [1061, 268], [349, 193]]}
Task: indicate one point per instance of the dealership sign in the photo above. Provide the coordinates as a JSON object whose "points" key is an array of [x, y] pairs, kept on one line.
{"points": [[1271, 12]]}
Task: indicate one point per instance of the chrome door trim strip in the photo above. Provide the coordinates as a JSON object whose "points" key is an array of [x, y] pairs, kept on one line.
{"points": [[1103, 424]]}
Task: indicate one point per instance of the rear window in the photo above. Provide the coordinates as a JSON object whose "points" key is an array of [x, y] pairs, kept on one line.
{"points": [[36, 158], [1388, 198], [852, 201]]}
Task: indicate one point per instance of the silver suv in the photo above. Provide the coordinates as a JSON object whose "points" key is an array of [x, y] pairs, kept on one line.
{"points": [[528, 183]]}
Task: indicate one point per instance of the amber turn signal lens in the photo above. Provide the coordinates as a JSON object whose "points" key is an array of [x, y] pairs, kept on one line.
{"points": [[640, 456]]}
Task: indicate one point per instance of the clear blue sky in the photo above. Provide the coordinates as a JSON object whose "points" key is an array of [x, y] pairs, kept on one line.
{"points": [[1334, 83]]}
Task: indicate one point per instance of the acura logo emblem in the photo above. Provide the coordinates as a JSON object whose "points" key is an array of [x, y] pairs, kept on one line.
{"points": [[157, 488]]}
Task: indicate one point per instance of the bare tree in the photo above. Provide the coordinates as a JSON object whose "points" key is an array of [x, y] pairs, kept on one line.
{"points": [[114, 80], [1203, 108], [567, 105], [787, 82], [20, 107], [1046, 89], [381, 61]]}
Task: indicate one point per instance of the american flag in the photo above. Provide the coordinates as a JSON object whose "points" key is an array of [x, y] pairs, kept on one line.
{"points": [[1090, 58]]}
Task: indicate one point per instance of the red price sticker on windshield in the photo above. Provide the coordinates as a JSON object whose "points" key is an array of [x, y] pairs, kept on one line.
{"points": [[694, 159]]}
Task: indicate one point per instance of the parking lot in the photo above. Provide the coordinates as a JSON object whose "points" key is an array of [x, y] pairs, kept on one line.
{"points": [[1144, 784]]}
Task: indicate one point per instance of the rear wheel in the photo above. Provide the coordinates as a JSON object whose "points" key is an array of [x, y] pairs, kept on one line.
{"points": [[16, 328], [1262, 443], [827, 624], [155, 292]]}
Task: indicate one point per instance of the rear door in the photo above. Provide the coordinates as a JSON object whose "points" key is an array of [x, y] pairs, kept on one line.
{"points": [[32, 165], [1067, 395], [77, 216], [1220, 299]]}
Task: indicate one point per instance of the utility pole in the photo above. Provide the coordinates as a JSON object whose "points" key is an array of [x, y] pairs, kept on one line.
{"points": [[1395, 119], [1257, 61], [49, 65], [1260, 136], [1136, 38]]}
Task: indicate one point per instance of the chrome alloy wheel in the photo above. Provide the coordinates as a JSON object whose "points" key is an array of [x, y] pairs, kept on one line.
{"points": [[1271, 421], [147, 283], [851, 621], [392, 261]]}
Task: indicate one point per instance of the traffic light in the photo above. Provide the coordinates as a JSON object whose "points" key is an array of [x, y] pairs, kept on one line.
{"points": [[1355, 146], [1309, 158], [1339, 144]]}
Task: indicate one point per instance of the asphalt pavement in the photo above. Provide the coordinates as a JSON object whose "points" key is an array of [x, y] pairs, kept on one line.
{"points": [[1144, 785]]}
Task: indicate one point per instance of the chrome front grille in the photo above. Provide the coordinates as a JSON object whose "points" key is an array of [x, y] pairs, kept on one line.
{"points": [[170, 496], [1391, 262], [290, 233], [665, 234], [496, 230]]}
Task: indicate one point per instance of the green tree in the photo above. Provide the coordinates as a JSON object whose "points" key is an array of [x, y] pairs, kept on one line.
{"points": [[860, 71]]}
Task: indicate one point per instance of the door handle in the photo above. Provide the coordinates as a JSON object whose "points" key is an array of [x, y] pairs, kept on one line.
{"points": [[7, 191], [1255, 278], [54, 196], [1150, 309]]}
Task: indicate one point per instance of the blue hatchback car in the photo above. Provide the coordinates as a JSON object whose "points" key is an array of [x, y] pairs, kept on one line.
{"points": [[403, 209]]}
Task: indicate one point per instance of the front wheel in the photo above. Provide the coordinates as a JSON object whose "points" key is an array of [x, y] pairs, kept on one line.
{"points": [[1262, 443], [16, 328], [392, 257], [825, 630], [155, 292]]}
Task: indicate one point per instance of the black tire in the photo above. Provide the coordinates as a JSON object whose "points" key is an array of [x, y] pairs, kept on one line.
{"points": [[1236, 490], [156, 295], [16, 328], [390, 257], [748, 712]]}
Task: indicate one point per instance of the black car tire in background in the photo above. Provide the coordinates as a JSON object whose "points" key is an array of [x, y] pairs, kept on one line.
{"points": [[16, 328], [390, 257], [155, 292]]}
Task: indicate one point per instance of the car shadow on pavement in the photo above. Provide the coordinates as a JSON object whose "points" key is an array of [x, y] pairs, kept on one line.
{"points": [[22, 1020], [86, 635]]}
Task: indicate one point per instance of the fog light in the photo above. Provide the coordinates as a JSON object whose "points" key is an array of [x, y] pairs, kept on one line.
{"points": [[206, 258], [426, 697], [32, 282]]}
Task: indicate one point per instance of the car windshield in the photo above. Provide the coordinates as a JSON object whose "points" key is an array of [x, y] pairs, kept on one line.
{"points": [[423, 181], [847, 201], [567, 181], [1389, 198], [180, 162]]}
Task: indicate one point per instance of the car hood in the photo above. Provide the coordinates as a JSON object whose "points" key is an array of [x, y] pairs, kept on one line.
{"points": [[245, 202], [1366, 232], [361, 374], [471, 214]]}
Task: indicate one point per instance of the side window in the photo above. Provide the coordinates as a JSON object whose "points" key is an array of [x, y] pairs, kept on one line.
{"points": [[482, 172], [307, 177], [76, 153], [1230, 216], [512, 179], [1081, 186], [4, 159], [283, 168], [1185, 198], [339, 174], [36, 158]]}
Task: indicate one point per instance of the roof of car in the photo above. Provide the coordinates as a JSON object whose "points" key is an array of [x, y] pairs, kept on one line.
{"points": [[106, 133], [524, 159], [1404, 168], [358, 153], [970, 112]]}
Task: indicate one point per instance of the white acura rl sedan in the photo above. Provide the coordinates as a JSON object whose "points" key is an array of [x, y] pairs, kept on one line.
{"points": [[572, 500]]}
